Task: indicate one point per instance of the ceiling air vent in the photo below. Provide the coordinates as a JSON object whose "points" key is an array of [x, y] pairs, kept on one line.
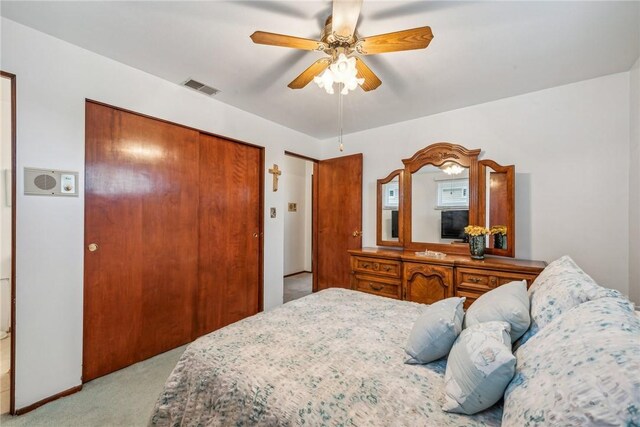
{"points": [[200, 87]]}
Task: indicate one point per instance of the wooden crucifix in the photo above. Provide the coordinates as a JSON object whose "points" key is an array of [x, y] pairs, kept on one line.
{"points": [[276, 173]]}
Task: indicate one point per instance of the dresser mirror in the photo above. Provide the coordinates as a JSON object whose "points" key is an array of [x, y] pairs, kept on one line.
{"points": [[389, 210], [440, 204], [422, 167], [441, 189], [496, 200]]}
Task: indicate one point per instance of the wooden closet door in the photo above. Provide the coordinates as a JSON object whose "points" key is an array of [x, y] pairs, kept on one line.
{"points": [[339, 219], [230, 269], [141, 210]]}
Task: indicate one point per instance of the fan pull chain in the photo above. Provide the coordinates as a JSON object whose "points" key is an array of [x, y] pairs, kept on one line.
{"points": [[340, 114]]}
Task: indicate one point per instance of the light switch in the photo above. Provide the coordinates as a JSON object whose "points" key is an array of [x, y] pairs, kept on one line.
{"points": [[67, 184]]}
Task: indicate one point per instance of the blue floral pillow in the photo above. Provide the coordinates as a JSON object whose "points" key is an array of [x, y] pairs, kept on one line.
{"points": [[479, 368], [561, 286], [435, 331], [583, 369]]}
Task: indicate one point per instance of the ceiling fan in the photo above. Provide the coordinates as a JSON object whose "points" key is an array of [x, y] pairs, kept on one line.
{"points": [[340, 41]]}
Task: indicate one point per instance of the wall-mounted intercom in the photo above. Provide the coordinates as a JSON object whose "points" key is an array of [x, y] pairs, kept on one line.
{"points": [[47, 182]]}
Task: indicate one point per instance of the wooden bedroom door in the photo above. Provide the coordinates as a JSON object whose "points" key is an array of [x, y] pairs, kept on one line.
{"points": [[338, 222], [141, 246], [230, 233]]}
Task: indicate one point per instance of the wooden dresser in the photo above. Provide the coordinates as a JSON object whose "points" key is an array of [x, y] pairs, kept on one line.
{"points": [[402, 274]]}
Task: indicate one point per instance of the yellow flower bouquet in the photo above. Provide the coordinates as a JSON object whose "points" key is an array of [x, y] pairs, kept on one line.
{"points": [[499, 236], [476, 230], [499, 229], [477, 242]]}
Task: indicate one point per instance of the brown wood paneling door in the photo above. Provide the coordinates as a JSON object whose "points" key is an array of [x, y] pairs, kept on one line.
{"points": [[141, 247], [339, 219], [230, 235]]}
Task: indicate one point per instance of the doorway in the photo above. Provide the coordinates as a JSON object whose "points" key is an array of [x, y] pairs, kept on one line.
{"points": [[297, 189], [7, 245], [334, 200]]}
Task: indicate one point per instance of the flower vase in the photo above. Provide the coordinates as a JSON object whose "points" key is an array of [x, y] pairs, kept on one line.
{"points": [[476, 246], [500, 241]]}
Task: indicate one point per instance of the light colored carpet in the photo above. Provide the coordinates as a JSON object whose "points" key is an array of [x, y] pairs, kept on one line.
{"points": [[123, 398], [297, 286]]}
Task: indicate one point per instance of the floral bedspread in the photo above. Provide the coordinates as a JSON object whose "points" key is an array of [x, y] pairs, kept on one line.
{"points": [[333, 358]]}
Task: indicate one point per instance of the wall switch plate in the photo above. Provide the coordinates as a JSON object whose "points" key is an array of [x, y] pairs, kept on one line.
{"points": [[273, 212], [67, 183]]}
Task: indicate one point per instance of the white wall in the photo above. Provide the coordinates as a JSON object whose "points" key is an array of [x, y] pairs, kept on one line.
{"points": [[297, 225], [5, 209], [634, 183], [570, 146], [53, 80]]}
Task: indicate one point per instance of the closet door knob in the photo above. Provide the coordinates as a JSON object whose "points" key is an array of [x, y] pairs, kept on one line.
{"points": [[255, 234], [92, 247]]}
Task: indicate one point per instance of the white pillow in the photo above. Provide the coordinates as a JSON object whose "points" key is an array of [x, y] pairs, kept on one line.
{"points": [[479, 368], [581, 370], [435, 331], [561, 286], [508, 303]]}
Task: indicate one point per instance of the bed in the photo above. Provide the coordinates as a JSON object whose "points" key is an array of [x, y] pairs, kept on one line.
{"points": [[332, 358], [337, 358]]}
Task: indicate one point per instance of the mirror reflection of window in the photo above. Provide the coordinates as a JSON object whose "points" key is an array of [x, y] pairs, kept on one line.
{"points": [[453, 193], [390, 207], [432, 191], [391, 195]]}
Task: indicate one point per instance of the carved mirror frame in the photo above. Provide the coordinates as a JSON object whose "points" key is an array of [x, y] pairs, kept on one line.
{"points": [[510, 191], [400, 242], [437, 155]]}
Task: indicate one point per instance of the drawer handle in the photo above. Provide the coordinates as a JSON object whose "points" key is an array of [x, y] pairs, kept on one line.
{"points": [[494, 281], [365, 265], [387, 268], [376, 287], [474, 279]]}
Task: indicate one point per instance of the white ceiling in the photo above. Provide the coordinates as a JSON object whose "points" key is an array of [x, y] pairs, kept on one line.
{"points": [[482, 51]]}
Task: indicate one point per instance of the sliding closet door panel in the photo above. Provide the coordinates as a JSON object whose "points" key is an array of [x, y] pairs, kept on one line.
{"points": [[141, 198], [111, 319], [230, 233]]}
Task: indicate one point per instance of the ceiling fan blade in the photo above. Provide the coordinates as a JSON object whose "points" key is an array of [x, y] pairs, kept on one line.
{"points": [[344, 18], [371, 81], [273, 39], [416, 38], [307, 75]]}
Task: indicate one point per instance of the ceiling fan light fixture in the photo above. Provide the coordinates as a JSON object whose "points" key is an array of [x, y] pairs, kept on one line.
{"points": [[451, 168], [342, 70], [325, 81]]}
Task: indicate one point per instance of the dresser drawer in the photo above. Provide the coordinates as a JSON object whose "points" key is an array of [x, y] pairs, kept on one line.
{"points": [[378, 266], [482, 281], [377, 285], [444, 272], [469, 295]]}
